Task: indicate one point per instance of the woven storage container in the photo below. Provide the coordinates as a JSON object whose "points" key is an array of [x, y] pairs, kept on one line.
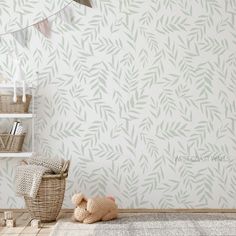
{"points": [[47, 204], [8, 106], [11, 143]]}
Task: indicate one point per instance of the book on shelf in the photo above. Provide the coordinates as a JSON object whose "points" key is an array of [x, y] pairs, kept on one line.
{"points": [[17, 128]]}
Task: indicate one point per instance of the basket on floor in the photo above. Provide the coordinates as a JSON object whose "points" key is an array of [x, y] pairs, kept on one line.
{"points": [[11, 143], [47, 204], [8, 106]]}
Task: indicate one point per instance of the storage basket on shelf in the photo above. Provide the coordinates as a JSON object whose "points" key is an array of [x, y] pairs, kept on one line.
{"points": [[47, 204], [8, 106], [11, 143]]}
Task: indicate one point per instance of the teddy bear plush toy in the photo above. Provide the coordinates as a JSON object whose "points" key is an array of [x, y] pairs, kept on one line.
{"points": [[91, 210]]}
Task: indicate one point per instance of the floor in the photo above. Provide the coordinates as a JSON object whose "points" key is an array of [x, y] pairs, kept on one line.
{"points": [[23, 227]]}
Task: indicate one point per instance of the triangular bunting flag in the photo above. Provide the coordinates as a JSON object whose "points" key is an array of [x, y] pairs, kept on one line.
{"points": [[21, 37], [84, 2], [44, 28], [66, 14]]}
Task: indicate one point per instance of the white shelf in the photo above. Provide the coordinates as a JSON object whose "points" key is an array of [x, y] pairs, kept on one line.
{"points": [[17, 85], [16, 115], [31, 89], [17, 154]]}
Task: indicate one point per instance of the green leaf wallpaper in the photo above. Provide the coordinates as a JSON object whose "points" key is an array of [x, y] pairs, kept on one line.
{"points": [[140, 96], [15, 15]]}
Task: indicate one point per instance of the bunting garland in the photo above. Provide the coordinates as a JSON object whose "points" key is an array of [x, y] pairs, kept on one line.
{"points": [[84, 2], [67, 14], [44, 27], [21, 37]]}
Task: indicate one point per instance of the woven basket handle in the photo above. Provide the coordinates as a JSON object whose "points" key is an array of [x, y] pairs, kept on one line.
{"points": [[65, 167]]}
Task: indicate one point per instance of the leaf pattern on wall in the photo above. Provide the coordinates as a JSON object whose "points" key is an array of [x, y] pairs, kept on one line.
{"points": [[141, 98], [20, 14]]}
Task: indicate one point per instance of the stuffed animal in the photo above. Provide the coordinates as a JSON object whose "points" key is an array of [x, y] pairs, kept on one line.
{"points": [[91, 210]]}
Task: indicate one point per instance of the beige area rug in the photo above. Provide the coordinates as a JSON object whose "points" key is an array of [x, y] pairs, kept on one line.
{"points": [[153, 224]]}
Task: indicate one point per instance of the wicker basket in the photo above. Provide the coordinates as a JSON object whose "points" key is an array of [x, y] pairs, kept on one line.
{"points": [[47, 204], [11, 143], [8, 106]]}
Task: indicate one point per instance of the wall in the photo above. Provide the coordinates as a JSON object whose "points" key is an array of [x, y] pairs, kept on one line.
{"points": [[141, 98], [20, 14]]}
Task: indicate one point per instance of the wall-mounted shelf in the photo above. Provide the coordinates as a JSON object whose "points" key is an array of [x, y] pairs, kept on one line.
{"points": [[31, 90], [17, 85], [16, 115], [16, 154]]}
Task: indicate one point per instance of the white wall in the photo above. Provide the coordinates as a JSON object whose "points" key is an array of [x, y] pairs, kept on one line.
{"points": [[140, 96]]}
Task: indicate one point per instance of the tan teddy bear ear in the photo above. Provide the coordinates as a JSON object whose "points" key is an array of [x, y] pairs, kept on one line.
{"points": [[78, 198]]}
